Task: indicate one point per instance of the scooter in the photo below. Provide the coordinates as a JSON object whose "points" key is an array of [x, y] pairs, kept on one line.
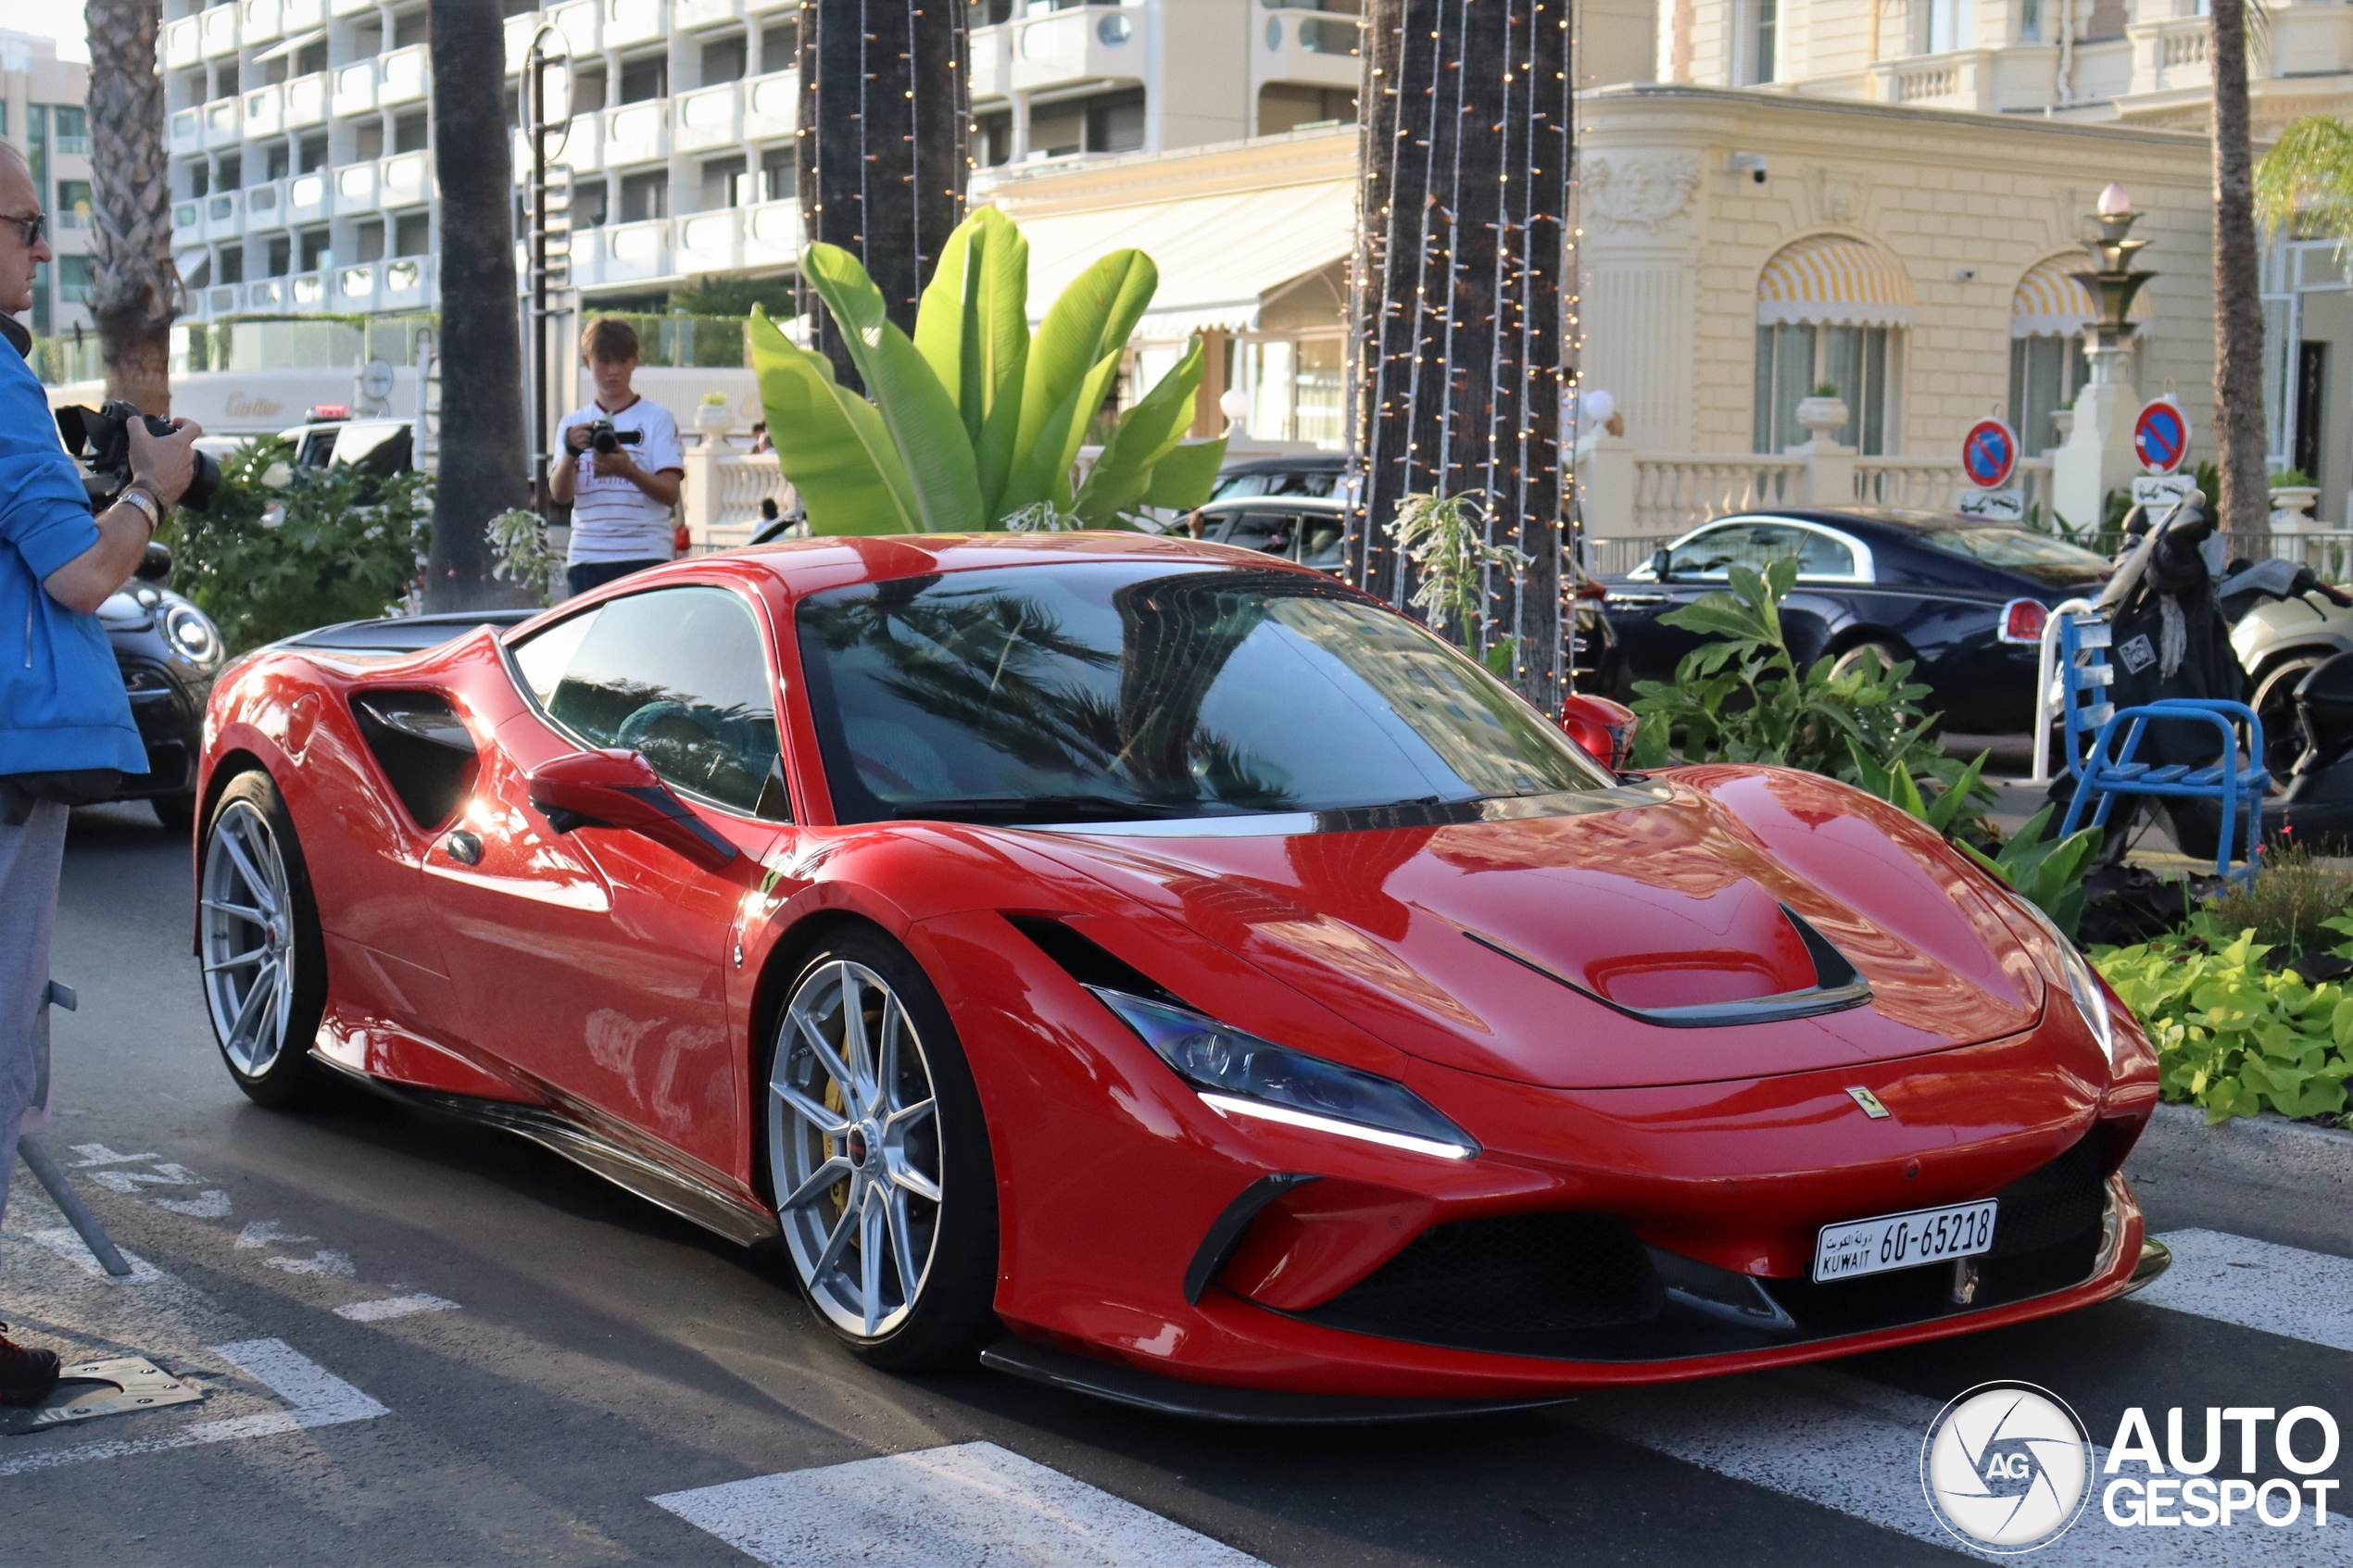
{"points": [[2285, 624]]}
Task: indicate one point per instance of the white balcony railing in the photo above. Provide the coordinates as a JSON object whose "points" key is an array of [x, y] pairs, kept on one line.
{"points": [[293, 16], [710, 242], [1300, 44], [1076, 45], [406, 178], [306, 99], [222, 124], [185, 132], [711, 117], [259, 20], [2170, 57], [224, 215], [183, 42], [355, 186], [350, 7], [405, 76], [772, 105], [772, 235], [265, 206], [632, 21], [265, 294], [219, 32], [1652, 496], [265, 111], [637, 132], [355, 87], [308, 197], [687, 14], [307, 290]]}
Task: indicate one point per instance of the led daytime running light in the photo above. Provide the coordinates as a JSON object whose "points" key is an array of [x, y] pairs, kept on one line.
{"points": [[1240, 1075], [2081, 984]]}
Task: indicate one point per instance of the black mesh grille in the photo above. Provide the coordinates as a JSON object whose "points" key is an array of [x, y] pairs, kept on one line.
{"points": [[1503, 1278], [1582, 1287]]}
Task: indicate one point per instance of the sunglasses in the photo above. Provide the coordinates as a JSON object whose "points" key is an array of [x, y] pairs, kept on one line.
{"points": [[33, 227]]}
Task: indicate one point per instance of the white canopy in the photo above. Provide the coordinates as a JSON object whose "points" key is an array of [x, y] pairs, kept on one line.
{"points": [[1218, 255]]}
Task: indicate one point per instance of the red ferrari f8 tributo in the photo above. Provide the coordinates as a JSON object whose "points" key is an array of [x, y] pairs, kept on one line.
{"points": [[1167, 972]]}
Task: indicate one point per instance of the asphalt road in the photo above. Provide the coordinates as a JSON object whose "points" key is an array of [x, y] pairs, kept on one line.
{"points": [[526, 1358]]}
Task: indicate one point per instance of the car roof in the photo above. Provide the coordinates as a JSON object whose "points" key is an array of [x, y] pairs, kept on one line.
{"points": [[1275, 504], [1295, 462], [405, 633]]}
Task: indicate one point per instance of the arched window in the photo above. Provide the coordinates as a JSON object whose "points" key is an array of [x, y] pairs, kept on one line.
{"points": [[2048, 313], [1830, 312]]}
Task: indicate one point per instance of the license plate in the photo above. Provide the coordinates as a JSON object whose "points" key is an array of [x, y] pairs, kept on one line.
{"points": [[1903, 1241]]}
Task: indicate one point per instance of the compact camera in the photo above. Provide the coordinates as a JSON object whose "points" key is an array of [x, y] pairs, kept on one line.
{"points": [[100, 437], [604, 438]]}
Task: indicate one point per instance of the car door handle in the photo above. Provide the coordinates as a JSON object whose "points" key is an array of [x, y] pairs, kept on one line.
{"points": [[464, 847], [1617, 597]]}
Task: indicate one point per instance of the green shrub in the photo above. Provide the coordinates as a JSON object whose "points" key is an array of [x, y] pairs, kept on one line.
{"points": [[266, 561], [1741, 698], [2287, 904], [2232, 1036]]}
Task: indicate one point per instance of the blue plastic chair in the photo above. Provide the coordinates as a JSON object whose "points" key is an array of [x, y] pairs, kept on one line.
{"points": [[2102, 741]]}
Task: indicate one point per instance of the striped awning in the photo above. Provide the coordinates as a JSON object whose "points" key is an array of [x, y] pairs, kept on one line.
{"points": [[2048, 303], [1833, 281]]}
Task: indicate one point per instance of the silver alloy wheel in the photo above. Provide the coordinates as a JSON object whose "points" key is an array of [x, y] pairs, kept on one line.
{"points": [[245, 938], [853, 1148]]}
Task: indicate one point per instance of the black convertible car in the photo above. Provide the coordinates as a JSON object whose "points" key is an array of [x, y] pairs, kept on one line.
{"points": [[1964, 599]]}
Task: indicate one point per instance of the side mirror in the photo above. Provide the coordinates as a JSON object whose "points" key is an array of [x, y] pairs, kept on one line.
{"points": [[1604, 728], [620, 789], [1662, 563], [156, 565]]}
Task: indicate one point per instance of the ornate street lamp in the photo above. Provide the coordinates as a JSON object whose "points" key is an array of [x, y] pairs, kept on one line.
{"points": [[2112, 283]]}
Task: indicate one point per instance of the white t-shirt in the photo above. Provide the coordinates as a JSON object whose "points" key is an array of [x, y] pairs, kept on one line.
{"points": [[611, 519]]}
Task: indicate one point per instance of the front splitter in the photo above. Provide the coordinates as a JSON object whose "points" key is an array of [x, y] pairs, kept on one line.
{"points": [[1138, 1389]]}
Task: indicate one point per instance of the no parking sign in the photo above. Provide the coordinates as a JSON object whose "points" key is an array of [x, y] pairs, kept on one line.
{"points": [[1988, 454], [2161, 436]]}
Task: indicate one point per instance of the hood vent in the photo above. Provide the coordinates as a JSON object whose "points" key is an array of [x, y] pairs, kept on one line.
{"points": [[1836, 987]]}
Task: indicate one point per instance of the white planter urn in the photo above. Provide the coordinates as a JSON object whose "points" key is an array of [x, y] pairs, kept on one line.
{"points": [[1823, 418], [2063, 419], [2292, 508], [715, 420]]}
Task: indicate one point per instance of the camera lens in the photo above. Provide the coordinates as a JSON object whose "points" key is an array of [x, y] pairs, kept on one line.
{"points": [[606, 440], [202, 483]]}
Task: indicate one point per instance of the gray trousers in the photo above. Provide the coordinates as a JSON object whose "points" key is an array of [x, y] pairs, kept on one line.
{"points": [[32, 856]]}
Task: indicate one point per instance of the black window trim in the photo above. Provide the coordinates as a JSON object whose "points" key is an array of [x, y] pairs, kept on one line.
{"points": [[783, 774]]}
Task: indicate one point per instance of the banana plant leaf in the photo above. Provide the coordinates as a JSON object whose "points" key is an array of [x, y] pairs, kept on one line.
{"points": [[1094, 317], [831, 443], [916, 409], [1041, 466], [1148, 431], [1184, 478]]}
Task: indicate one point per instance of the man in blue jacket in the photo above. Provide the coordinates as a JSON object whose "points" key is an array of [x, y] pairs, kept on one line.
{"points": [[65, 733]]}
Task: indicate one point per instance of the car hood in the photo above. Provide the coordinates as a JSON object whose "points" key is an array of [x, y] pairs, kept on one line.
{"points": [[1527, 945]]}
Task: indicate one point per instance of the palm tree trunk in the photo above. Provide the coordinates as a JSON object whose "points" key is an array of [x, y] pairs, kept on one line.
{"points": [[134, 289], [1456, 295], [2246, 502], [884, 144], [483, 455]]}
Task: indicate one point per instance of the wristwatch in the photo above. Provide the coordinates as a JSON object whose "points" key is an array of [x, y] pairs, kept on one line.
{"points": [[136, 495]]}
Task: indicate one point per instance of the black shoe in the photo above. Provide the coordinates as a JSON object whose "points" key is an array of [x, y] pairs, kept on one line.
{"points": [[25, 1375]]}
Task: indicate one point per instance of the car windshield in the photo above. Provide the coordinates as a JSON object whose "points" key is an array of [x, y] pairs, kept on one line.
{"points": [[1309, 482], [1123, 691], [2014, 549]]}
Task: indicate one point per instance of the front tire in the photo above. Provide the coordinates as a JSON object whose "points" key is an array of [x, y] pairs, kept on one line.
{"points": [[265, 965], [1886, 653], [2274, 703], [878, 1159]]}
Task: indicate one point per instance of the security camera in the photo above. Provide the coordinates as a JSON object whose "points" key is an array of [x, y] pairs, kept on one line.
{"points": [[1752, 164], [1965, 274]]}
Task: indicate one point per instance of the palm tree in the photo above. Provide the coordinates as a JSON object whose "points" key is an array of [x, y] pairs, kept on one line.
{"points": [[2304, 185], [884, 144], [483, 453], [1458, 293], [134, 289], [2240, 443]]}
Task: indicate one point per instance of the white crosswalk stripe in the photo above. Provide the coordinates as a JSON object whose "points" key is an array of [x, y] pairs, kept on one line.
{"points": [[974, 1505], [2279, 1290]]}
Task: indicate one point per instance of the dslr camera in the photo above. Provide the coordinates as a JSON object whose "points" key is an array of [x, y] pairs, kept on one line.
{"points": [[100, 437], [604, 438]]}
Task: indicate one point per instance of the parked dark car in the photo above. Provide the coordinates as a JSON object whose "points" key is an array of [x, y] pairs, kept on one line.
{"points": [[1966, 599], [170, 651], [1313, 530], [1310, 473]]}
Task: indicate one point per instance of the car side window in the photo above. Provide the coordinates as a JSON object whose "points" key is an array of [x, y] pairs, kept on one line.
{"points": [[1269, 532], [1818, 555], [678, 675], [1711, 556]]}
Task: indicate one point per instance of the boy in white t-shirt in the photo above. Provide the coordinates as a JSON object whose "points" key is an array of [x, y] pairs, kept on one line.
{"points": [[619, 499]]}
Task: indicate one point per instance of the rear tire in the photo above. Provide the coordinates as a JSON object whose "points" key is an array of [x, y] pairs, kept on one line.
{"points": [[265, 962], [1887, 653], [878, 1159], [2274, 703]]}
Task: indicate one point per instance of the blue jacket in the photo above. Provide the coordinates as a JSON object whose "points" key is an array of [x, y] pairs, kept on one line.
{"points": [[62, 704]]}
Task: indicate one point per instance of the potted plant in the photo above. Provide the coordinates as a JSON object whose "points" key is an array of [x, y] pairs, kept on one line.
{"points": [[715, 417], [1824, 414], [2292, 496]]}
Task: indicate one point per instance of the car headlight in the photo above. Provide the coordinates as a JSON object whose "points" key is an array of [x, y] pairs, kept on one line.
{"points": [[2081, 984], [1244, 1075], [188, 629]]}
